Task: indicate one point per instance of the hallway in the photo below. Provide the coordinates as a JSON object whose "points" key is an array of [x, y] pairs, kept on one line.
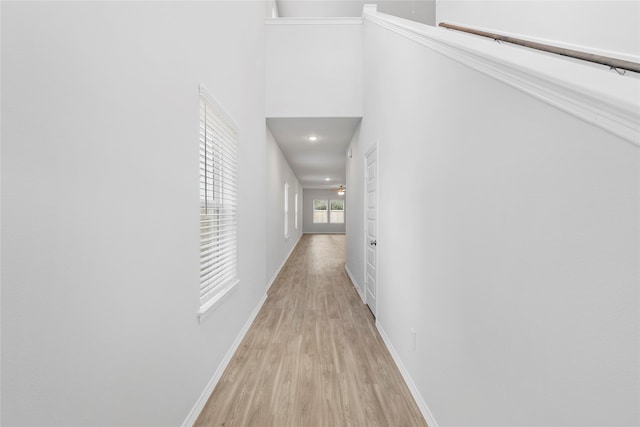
{"points": [[313, 356]]}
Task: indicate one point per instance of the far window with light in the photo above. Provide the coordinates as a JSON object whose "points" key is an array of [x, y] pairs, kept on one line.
{"points": [[328, 211], [336, 209], [320, 212]]}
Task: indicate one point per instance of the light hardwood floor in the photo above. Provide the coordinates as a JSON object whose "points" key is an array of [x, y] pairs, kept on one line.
{"points": [[312, 357]]}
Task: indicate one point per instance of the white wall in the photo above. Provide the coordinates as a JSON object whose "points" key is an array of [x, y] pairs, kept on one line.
{"points": [[509, 239], [307, 212], [100, 205], [321, 8], [423, 11], [416, 10], [609, 27], [313, 69], [354, 226], [279, 172]]}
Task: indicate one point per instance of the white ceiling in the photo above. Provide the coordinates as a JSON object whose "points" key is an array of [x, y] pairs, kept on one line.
{"points": [[314, 161]]}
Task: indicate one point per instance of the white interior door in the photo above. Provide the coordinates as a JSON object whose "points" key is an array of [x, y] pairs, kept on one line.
{"points": [[371, 229]]}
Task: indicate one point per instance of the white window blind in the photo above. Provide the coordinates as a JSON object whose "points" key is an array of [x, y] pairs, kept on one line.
{"points": [[286, 210], [218, 207], [295, 221]]}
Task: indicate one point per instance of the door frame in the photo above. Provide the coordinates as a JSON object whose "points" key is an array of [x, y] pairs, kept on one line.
{"points": [[365, 243]]}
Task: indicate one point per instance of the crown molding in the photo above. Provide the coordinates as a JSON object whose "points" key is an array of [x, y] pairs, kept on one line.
{"points": [[591, 93]]}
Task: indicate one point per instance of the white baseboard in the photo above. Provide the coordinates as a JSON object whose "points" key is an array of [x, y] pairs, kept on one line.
{"points": [[284, 261], [324, 232], [355, 283], [202, 400], [426, 413]]}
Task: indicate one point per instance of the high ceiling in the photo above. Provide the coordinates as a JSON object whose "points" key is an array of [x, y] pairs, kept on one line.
{"points": [[315, 161]]}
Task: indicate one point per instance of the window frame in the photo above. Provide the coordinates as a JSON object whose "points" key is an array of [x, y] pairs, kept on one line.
{"points": [[295, 208], [336, 210], [286, 210], [218, 142], [325, 210]]}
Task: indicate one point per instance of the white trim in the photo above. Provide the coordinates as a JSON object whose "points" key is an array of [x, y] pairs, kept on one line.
{"points": [[210, 306], [314, 21], [369, 8], [275, 276], [296, 211], [354, 282], [218, 271], [371, 150], [286, 210], [206, 393], [323, 187], [1, 259], [591, 93], [364, 212], [422, 405], [205, 93], [324, 232]]}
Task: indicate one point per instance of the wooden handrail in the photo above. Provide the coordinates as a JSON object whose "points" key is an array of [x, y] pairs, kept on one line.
{"points": [[598, 59]]}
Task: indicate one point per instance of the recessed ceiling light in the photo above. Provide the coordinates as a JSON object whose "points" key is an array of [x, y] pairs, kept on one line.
{"points": [[313, 138], [327, 179]]}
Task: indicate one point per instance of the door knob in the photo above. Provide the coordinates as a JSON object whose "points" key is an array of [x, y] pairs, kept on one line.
{"points": [[373, 243]]}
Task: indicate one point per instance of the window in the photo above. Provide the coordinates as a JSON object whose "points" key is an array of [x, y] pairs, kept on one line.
{"points": [[320, 212], [336, 208], [332, 212], [295, 207], [218, 214], [286, 210]]}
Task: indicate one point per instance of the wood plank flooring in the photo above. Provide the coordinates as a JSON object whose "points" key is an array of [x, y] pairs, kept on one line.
{"points": [[313, 356]]}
